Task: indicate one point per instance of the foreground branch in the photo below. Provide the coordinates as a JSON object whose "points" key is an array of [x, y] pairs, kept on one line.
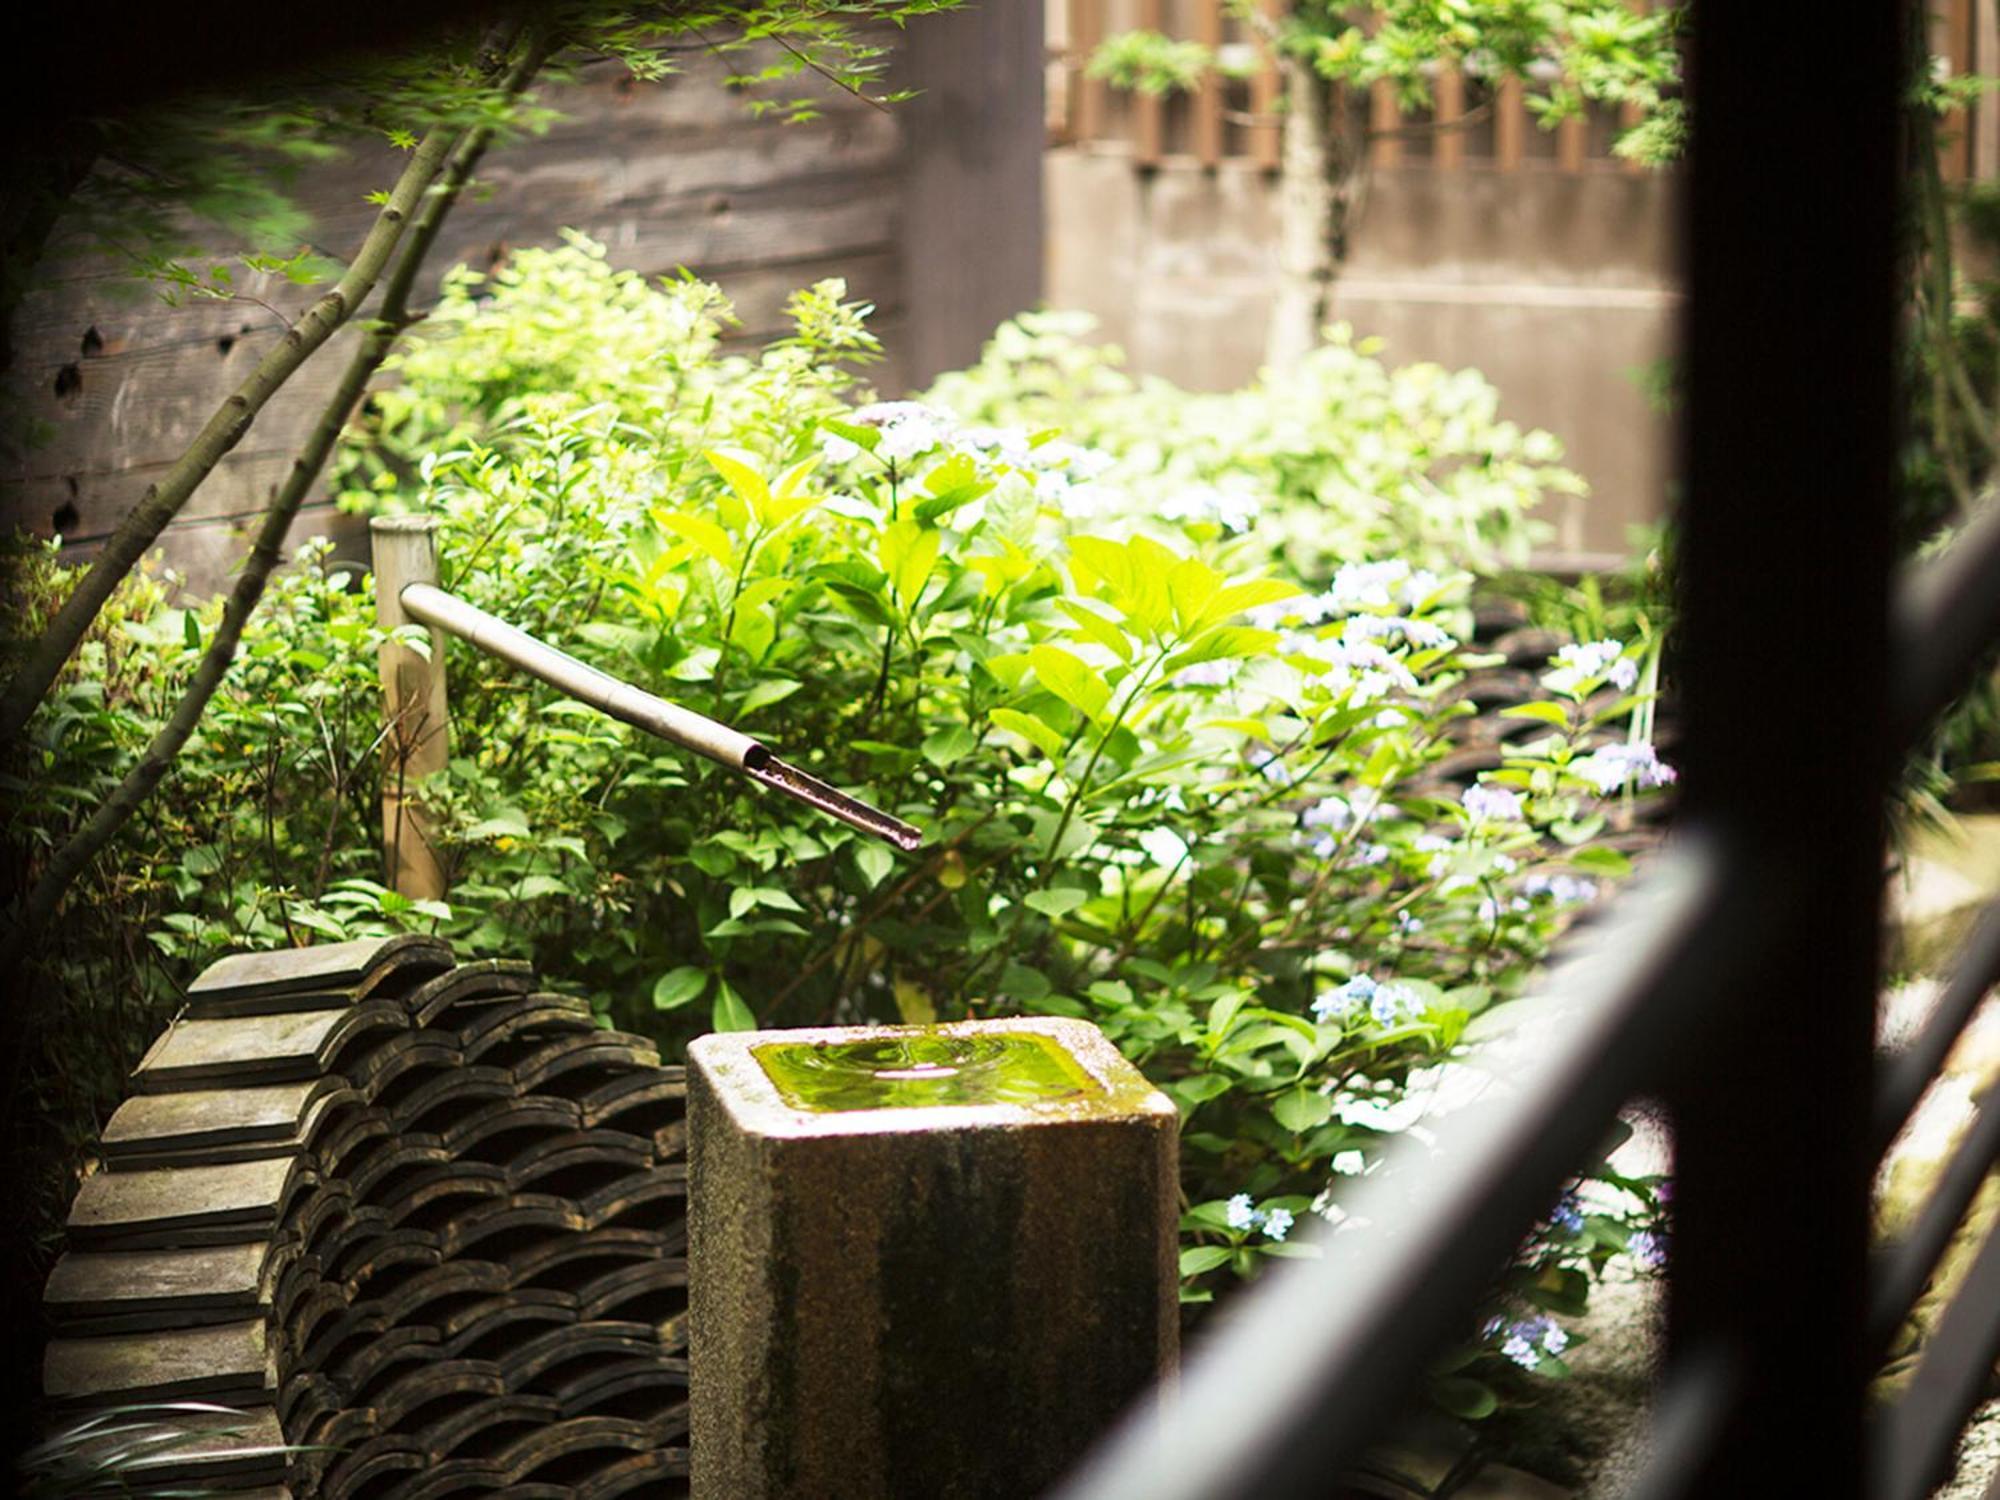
{"points": [[224, 430], [75, 856]]}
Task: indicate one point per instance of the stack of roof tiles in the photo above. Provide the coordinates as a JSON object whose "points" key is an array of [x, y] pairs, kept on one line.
{"points": [[422, 1224]]}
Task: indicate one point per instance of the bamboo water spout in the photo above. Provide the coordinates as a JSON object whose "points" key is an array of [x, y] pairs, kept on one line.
{"points": [[430, 605]]}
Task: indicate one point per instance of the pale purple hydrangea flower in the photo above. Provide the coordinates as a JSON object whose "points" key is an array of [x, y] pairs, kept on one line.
{"points": [[1271, 766], [909, 428], [1009, 444], [836, 449], [1277, 1223], [1233, 507], [1208, 674], [1241, 1215], [1647, 1248], [1564, 890], [1493, 804], [1367, 585], [1529, 1340], [1590, 661], [1328, 812], [1567, 1215], [1614, 767]]}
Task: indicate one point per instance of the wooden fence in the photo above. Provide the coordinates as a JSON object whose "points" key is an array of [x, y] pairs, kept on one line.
{"points": [[1470, 126]]}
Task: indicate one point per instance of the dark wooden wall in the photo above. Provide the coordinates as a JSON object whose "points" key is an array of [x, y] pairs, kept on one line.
{"points": [[110, 383]]}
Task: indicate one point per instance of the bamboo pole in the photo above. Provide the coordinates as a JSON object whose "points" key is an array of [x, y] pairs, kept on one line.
{"points": [[415, 705], [426, 604]]}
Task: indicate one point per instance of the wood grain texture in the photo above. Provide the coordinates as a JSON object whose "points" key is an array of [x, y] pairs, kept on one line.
{"points": [[111, 381]]}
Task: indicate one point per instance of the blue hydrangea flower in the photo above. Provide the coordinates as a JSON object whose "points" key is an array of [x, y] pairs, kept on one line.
{"points": [[1343, 1002], [1647, 1248], [1328, 812], [1241, 1215], [1278, 1223], [1394, 1002], [1529, 1340], [1567, 1215]]}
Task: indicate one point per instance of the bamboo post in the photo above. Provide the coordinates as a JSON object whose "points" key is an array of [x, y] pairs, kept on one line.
{"points": [[414, 702], [1448, 91], [1510, 125], [1208, 99], [1265, 136], [1385, 117], [1149, 110]]}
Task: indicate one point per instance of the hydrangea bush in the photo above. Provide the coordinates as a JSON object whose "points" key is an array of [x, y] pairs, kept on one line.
{"points": [[1177, 770]]}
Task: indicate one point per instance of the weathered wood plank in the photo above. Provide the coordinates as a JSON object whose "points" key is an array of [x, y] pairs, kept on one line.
{"points": [[243, 977], [252, 1050], [148, 1124], [215, 1280], [230, 1359], [232, 1204]]}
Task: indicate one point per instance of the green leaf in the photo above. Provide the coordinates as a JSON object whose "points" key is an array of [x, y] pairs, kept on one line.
{"points": [[1300, 1110], [1191, 585], [1094, 627], [763, 694], [909, 553], [956, 472], [1071, 679], [729, 1013], [1029, 728], [1464, 1398], [1055, 903], [1601, 861], [952, 743], [700, 533], [190, 630], [677, 987], [1202, 1258], [1548, 713], [1223, 643], [861, 436], [874, 862], [1237, 597], [746, 488]]}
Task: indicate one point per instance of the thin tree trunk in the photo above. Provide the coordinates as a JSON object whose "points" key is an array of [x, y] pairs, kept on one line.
{"points": [[165, 497], [1307, 191], [75, 856]]}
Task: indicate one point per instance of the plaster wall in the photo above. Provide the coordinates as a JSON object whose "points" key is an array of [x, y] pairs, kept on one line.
{"points": [[1559, 287]]}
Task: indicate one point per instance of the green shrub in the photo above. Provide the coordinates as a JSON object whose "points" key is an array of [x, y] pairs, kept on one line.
{"points": [[1170, 784]]}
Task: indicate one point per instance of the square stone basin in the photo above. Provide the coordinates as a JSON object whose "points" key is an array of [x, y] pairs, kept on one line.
{"points": [[925, 1262]]}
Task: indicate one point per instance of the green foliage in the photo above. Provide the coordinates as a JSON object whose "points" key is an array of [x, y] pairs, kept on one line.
{"points": [[1168, 709], [1341, 458], [1151, 62], [1565, 53]]}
